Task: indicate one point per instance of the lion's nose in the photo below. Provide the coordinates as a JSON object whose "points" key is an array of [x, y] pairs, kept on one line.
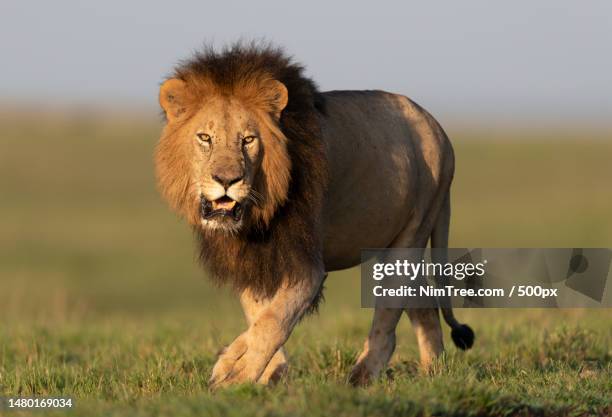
{"points": [[227, 180]]}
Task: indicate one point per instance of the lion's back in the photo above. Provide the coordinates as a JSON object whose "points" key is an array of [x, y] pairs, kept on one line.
{"points": [[383, 151], [385, 124]]}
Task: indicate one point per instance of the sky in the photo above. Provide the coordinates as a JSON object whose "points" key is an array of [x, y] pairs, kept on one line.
{"points": [[474, 59]]}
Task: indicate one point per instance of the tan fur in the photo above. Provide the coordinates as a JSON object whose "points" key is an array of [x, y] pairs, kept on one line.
{"points": [[389, 164], [253, 307], [185, 107], [249, 356]]}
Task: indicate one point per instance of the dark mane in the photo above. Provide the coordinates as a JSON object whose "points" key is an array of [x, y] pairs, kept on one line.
{"points": [[258, 257], [229, 67]]}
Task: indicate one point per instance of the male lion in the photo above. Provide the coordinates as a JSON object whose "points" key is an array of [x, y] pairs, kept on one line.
{"points": [[283, 183]]}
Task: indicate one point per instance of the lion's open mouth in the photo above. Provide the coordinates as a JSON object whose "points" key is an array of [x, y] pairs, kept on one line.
{"points": [[224, 206]]}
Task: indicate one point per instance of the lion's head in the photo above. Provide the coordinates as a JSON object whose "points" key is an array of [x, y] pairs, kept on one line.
{"points": [[223, 160], [242, 159]]}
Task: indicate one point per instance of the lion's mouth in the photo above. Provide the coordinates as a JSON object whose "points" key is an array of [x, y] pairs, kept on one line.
{"points": [[224, 206]]}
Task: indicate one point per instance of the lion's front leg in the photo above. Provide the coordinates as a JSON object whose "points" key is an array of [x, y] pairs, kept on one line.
{"points": [[246, 358], [253, 306]]}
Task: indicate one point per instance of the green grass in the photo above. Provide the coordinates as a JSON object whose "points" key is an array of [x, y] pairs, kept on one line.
{"points": [[101, 298]]}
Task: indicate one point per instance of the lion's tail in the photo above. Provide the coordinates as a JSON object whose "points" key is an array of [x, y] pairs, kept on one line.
{"points": [[462, 334]]}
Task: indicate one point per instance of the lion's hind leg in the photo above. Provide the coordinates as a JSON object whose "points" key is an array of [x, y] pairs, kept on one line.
{"points": [[426, 324], [380, 344], [426, 321], [378, 347]]}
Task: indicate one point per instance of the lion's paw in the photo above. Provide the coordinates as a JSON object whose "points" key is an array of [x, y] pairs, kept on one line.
{"points": [[236, 365], [360, 375]]}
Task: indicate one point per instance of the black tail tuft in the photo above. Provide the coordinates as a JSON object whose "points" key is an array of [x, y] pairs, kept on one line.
{"points": [[463, 336]]}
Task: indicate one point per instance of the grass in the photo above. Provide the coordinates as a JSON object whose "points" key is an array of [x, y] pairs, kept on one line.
{"points": [[101, 298]]}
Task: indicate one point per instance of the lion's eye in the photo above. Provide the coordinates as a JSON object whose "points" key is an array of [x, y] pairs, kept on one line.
{"points": [[248, 139], [203, 138]]}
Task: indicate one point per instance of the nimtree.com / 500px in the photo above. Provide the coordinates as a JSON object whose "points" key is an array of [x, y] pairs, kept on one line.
{"points": [[451, 291]]}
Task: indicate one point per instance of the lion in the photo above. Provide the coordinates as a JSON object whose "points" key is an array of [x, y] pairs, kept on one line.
{"points": [[283, 183]]}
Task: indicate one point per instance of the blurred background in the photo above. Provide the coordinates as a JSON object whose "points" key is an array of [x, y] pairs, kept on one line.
{"points": [[523, 89], [471, 63]]}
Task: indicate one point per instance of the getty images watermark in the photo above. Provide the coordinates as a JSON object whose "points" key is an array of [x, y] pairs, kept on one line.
{"points": [[425, 278]]}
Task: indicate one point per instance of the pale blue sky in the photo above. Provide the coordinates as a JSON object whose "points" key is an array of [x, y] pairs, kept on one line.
{"points": [[518, 60]]}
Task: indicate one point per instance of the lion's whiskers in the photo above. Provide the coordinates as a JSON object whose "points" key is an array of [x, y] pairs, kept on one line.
{"points": [[255, 197]]}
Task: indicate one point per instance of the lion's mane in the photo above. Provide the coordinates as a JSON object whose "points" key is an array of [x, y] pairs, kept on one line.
{"points": [[263, 253]]}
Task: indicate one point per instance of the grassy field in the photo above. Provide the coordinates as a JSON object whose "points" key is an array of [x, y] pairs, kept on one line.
{"points": [[101, 298]]}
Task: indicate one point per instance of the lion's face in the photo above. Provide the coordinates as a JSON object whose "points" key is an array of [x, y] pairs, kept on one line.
{"points": [[221, 159], [226, 146]]}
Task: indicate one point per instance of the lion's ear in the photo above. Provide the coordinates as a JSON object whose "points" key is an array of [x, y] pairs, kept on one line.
{"points": [[172, 98], [280, 96]]}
